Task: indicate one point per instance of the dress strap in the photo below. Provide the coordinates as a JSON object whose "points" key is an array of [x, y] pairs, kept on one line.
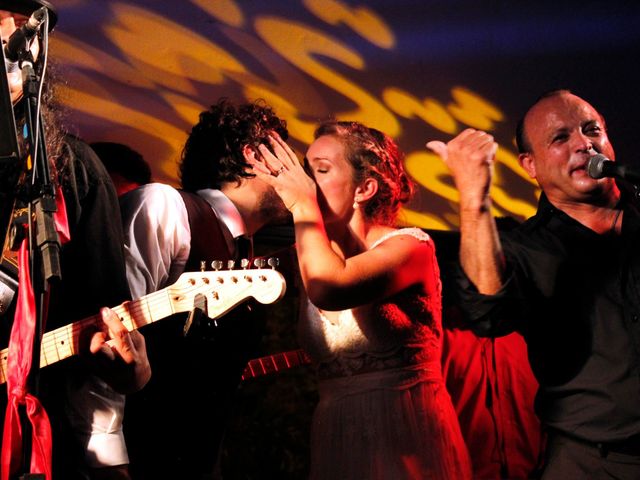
{"points": [[412, 231]]}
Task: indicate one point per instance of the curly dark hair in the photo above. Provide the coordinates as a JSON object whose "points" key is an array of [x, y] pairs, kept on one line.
{"points": [[212, 155], [374, 154], [52, 118]]}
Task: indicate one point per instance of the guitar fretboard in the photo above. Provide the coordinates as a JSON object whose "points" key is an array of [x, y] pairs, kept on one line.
{"points": [[275, 363], [64, 342], [220, 291]]}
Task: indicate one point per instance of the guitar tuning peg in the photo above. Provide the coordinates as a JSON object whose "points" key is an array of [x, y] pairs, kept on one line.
{"points": [[203, 265], [273, 262], [259, 262], [231, 264], [244, 263], [217, 265]]}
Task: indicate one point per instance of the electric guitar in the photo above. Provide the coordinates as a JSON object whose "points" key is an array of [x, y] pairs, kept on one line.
{"points": [[214, 292], [275, 363]]}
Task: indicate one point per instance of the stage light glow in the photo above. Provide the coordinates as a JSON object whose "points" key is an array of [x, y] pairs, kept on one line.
{"points": [[148, 75]]}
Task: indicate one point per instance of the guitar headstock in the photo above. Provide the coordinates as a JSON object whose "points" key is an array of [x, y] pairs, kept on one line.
{"points": [[224, 289]]}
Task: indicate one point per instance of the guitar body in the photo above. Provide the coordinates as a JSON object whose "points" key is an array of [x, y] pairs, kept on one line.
{"points": [[191, 391]]}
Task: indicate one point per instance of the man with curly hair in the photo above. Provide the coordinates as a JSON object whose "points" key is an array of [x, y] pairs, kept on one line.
{"points": [[175, 425]]}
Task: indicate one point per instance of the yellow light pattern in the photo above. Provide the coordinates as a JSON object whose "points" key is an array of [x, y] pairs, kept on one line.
{"points": [[361, 19], [149, 76], [226, 11]]}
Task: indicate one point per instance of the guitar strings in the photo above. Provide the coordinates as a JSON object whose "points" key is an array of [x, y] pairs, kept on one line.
{"points": [[256, 367], [134, 314], [61, 343]]}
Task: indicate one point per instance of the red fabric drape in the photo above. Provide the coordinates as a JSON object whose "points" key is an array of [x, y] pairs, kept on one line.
{"points": [[18, 367], [60, 217]]}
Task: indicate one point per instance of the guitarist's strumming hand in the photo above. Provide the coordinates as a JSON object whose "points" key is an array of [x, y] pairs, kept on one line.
{"points": [[120, 355]]}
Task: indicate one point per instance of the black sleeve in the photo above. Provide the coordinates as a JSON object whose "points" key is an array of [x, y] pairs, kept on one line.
{"points": [[92, 262]]}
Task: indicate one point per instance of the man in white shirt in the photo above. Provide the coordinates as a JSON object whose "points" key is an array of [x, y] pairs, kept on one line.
{"points": [[174, 427]]}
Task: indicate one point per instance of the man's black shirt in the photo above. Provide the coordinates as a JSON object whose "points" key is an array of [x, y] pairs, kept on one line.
{"points": [[574, 296]]}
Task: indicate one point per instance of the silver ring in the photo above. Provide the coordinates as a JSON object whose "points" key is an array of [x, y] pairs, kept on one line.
{"points": [[280, 170]]}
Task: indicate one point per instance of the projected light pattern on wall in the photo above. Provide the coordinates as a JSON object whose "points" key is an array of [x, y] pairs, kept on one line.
{"points": [[140, 72]]}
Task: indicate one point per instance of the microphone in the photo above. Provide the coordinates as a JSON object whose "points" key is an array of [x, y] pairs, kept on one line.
{"points": [[600, 166], [19, 40]]}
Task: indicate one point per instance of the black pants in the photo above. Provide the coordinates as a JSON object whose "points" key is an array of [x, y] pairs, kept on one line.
{"points": [[568, 458]]}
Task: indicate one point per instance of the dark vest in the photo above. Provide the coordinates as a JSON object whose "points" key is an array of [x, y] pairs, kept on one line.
{"points": [[207, 238], [175, 425]]}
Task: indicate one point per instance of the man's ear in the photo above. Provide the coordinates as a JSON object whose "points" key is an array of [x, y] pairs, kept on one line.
{"points": [[253, 158], [250, 155], [526, 161], [366, 190]]}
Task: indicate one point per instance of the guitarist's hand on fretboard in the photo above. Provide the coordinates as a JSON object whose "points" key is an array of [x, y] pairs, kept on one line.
{"points": [[120, 354]]}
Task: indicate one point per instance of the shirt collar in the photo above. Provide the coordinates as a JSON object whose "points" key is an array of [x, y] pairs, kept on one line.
{"points": [[225, 210], [630, 220]]}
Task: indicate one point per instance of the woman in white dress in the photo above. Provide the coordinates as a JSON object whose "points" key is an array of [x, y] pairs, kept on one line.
{"points": [[373, 323]]}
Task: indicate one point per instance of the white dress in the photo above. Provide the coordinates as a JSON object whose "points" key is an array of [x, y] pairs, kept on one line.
{"points": [[384, 412]]}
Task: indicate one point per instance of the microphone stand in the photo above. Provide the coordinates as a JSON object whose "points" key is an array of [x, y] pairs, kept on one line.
{"points": [[43, 201], [44, 244]]}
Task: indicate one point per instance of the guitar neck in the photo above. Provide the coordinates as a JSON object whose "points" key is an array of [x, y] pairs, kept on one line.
{"points": [[275, 363], [64, 342], [215, 293]]}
